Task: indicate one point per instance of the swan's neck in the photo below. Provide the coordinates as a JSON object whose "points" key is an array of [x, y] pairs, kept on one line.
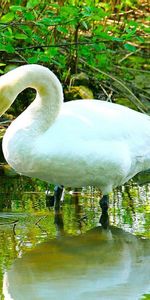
{"points": [[42, 112]]}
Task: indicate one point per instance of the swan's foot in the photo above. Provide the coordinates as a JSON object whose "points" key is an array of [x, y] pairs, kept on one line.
{"points": [[58, 192], [104, 218]]}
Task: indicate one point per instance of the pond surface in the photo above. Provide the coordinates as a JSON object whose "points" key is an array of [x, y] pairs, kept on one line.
{"points": [[70, 256]]}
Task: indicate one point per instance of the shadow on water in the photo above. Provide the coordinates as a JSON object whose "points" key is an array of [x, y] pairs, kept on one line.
{"points": [[68, 256]]}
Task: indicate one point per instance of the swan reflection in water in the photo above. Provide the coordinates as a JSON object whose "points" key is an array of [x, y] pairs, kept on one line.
{"points": [[100, 264]]}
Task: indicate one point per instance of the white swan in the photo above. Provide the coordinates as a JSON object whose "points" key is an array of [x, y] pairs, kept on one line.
{"points": [[78, 143]]}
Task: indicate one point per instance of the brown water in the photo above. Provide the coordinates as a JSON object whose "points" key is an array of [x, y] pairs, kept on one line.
{"points": [[69, 256]]}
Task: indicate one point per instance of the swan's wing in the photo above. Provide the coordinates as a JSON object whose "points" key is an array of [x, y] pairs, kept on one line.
{"points": [[100, 119]]}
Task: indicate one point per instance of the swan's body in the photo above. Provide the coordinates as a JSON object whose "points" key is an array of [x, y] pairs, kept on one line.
{"points": [[78, 143]]}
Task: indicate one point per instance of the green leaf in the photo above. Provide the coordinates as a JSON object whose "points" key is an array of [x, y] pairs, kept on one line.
{"points": [[15, 8], [130, 47], [130, 33], [20, 36], [2, 47], [99, 29], [44, 21], [100, 47], [87, 11], [10, 31], [132, 23], [117, 39], [104, 35], [146, 29], [29, 16], [27, 30], [69, 12], [7, 18], [140, 39], [62, 29], [8, 35], [53, 52], [43, 58], [9, 48], [32, 3], [84, 25], [98, 13], [33, 60]]}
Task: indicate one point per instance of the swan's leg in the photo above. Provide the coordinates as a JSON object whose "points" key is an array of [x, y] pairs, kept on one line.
{"points": [[58, 191], [104, 218], [104, 203], [58, 221]]}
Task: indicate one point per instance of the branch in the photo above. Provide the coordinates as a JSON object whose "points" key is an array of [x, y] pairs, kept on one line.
{"points": [[33, 23], [10, 223], [132, 70], [57, 45], [134, 99]]}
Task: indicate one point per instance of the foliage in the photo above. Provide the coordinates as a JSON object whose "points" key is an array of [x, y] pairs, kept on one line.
{"points": [[109, 35]]}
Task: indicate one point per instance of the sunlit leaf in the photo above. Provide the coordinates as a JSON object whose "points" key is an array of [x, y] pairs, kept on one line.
{"points": [[130, 47], [20, 36], [15, 8], [84, 25], [32, 3], [62, 29], [7, 18]]}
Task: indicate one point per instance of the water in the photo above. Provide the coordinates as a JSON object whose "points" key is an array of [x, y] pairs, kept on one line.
{"points": [[69, 256]]}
